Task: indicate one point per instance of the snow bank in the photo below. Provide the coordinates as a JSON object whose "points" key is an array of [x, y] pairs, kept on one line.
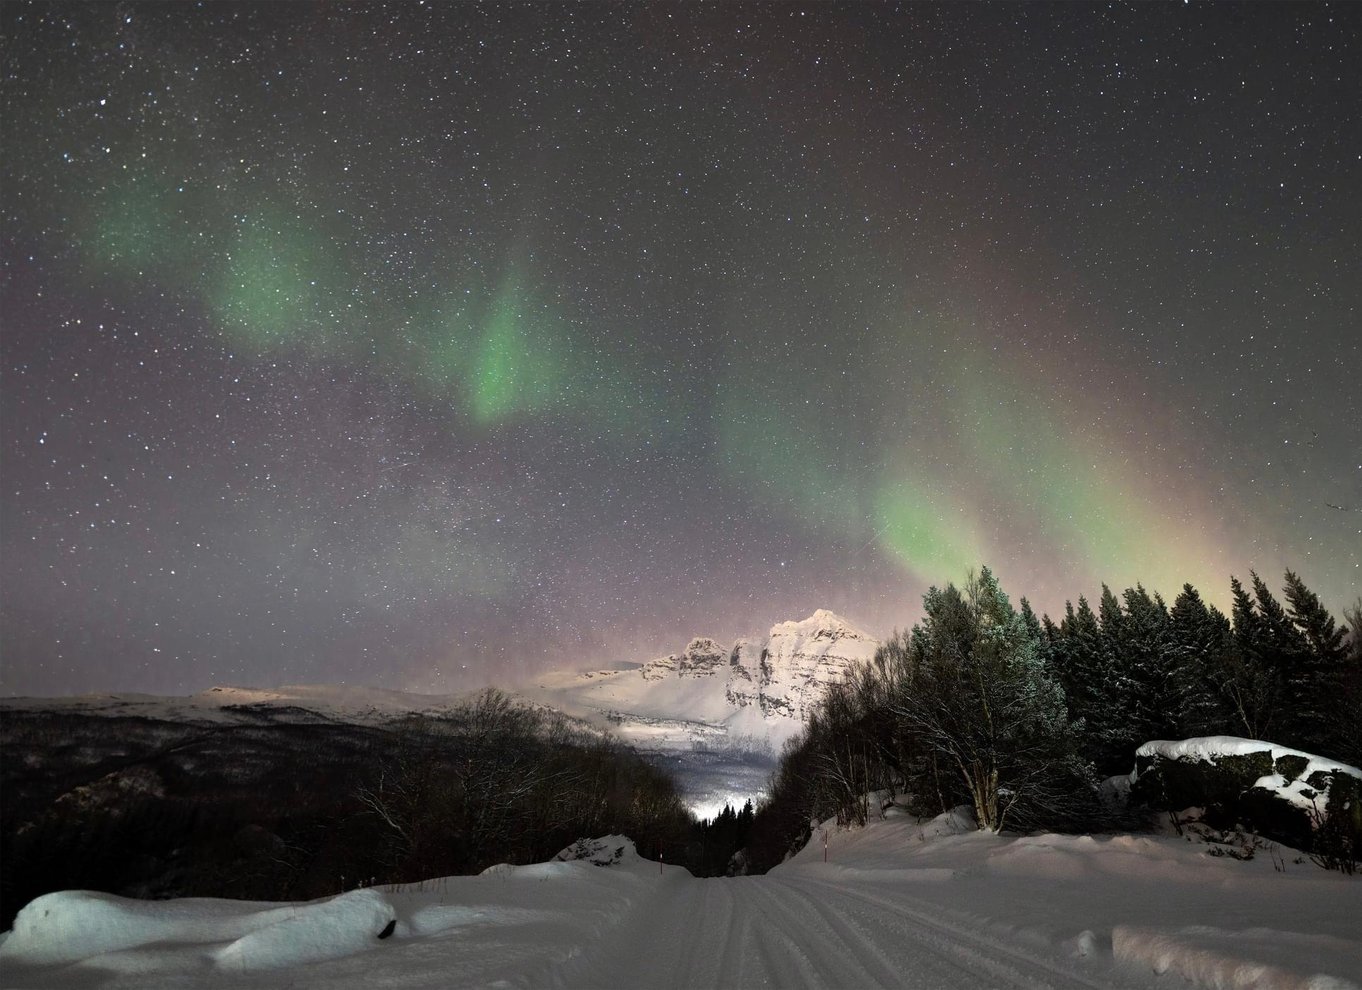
{"points": [[1228, 960], [73, 925]]}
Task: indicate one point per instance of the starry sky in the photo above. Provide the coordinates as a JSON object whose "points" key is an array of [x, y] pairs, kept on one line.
{"points": [[427, 346]]}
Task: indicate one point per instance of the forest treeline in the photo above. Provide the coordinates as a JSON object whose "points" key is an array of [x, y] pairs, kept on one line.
{"points": [[986, 704]]}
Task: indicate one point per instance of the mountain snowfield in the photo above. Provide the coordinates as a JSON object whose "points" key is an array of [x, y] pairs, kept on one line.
{"points": [[899, 903], [759, 689]]}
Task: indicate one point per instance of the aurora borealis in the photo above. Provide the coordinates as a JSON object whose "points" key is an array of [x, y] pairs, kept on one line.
{"points": [[432, 345]]}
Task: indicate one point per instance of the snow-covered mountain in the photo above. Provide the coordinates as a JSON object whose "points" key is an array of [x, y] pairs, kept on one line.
{"points": [[759, 689], [715, 716], [762, 687]]}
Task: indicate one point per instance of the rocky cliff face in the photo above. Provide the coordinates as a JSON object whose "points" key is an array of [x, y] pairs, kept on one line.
{"points": [[702, 658], [760, 687], [789, 671]]}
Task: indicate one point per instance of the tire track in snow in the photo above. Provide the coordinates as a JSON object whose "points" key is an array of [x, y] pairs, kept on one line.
{"points": [[803, 927], [800, 931], [683, 934], [990, 961]]}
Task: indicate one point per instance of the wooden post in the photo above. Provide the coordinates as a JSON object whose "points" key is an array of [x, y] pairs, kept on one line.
{"points": [[825, 845]]}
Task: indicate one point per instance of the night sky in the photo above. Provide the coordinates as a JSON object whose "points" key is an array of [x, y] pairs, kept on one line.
{"points": [[431, 345]]}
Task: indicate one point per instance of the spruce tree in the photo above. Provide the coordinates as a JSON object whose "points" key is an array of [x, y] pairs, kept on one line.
{"points": [[1145, 670], [1284, 652], [1350, 695], [1111, 618], [1033, 626], [1321, 633], [1111, 735], [1249, 683], [1081, 663], [1316, 691], [1200, 643]]}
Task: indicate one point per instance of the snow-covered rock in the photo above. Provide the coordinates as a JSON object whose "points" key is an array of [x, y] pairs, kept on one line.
{"points": [[607, 850], [1276, 791]]}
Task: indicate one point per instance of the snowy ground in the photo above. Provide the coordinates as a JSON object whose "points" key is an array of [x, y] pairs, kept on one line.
{"points": [[898, 905]]}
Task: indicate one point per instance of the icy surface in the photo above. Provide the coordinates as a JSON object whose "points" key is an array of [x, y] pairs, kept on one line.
{"points": [[901, 903]]}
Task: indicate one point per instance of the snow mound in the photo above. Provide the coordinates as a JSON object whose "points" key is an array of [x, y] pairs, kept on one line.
{"points": [[322, 930], [73, 925]]}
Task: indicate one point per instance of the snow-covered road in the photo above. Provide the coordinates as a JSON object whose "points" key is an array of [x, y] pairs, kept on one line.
{"points": [[899, 904], [802, 932]]}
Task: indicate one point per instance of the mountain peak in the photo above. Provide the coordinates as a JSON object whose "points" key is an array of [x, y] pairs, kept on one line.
{"points": [[822, 624]]}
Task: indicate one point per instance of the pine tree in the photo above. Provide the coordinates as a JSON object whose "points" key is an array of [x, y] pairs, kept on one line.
{"points": [[1080, 663], [1200, 643], [1249, 683], [1283, 651], [1350, 696], [1145, 669], [1316, 690]]}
